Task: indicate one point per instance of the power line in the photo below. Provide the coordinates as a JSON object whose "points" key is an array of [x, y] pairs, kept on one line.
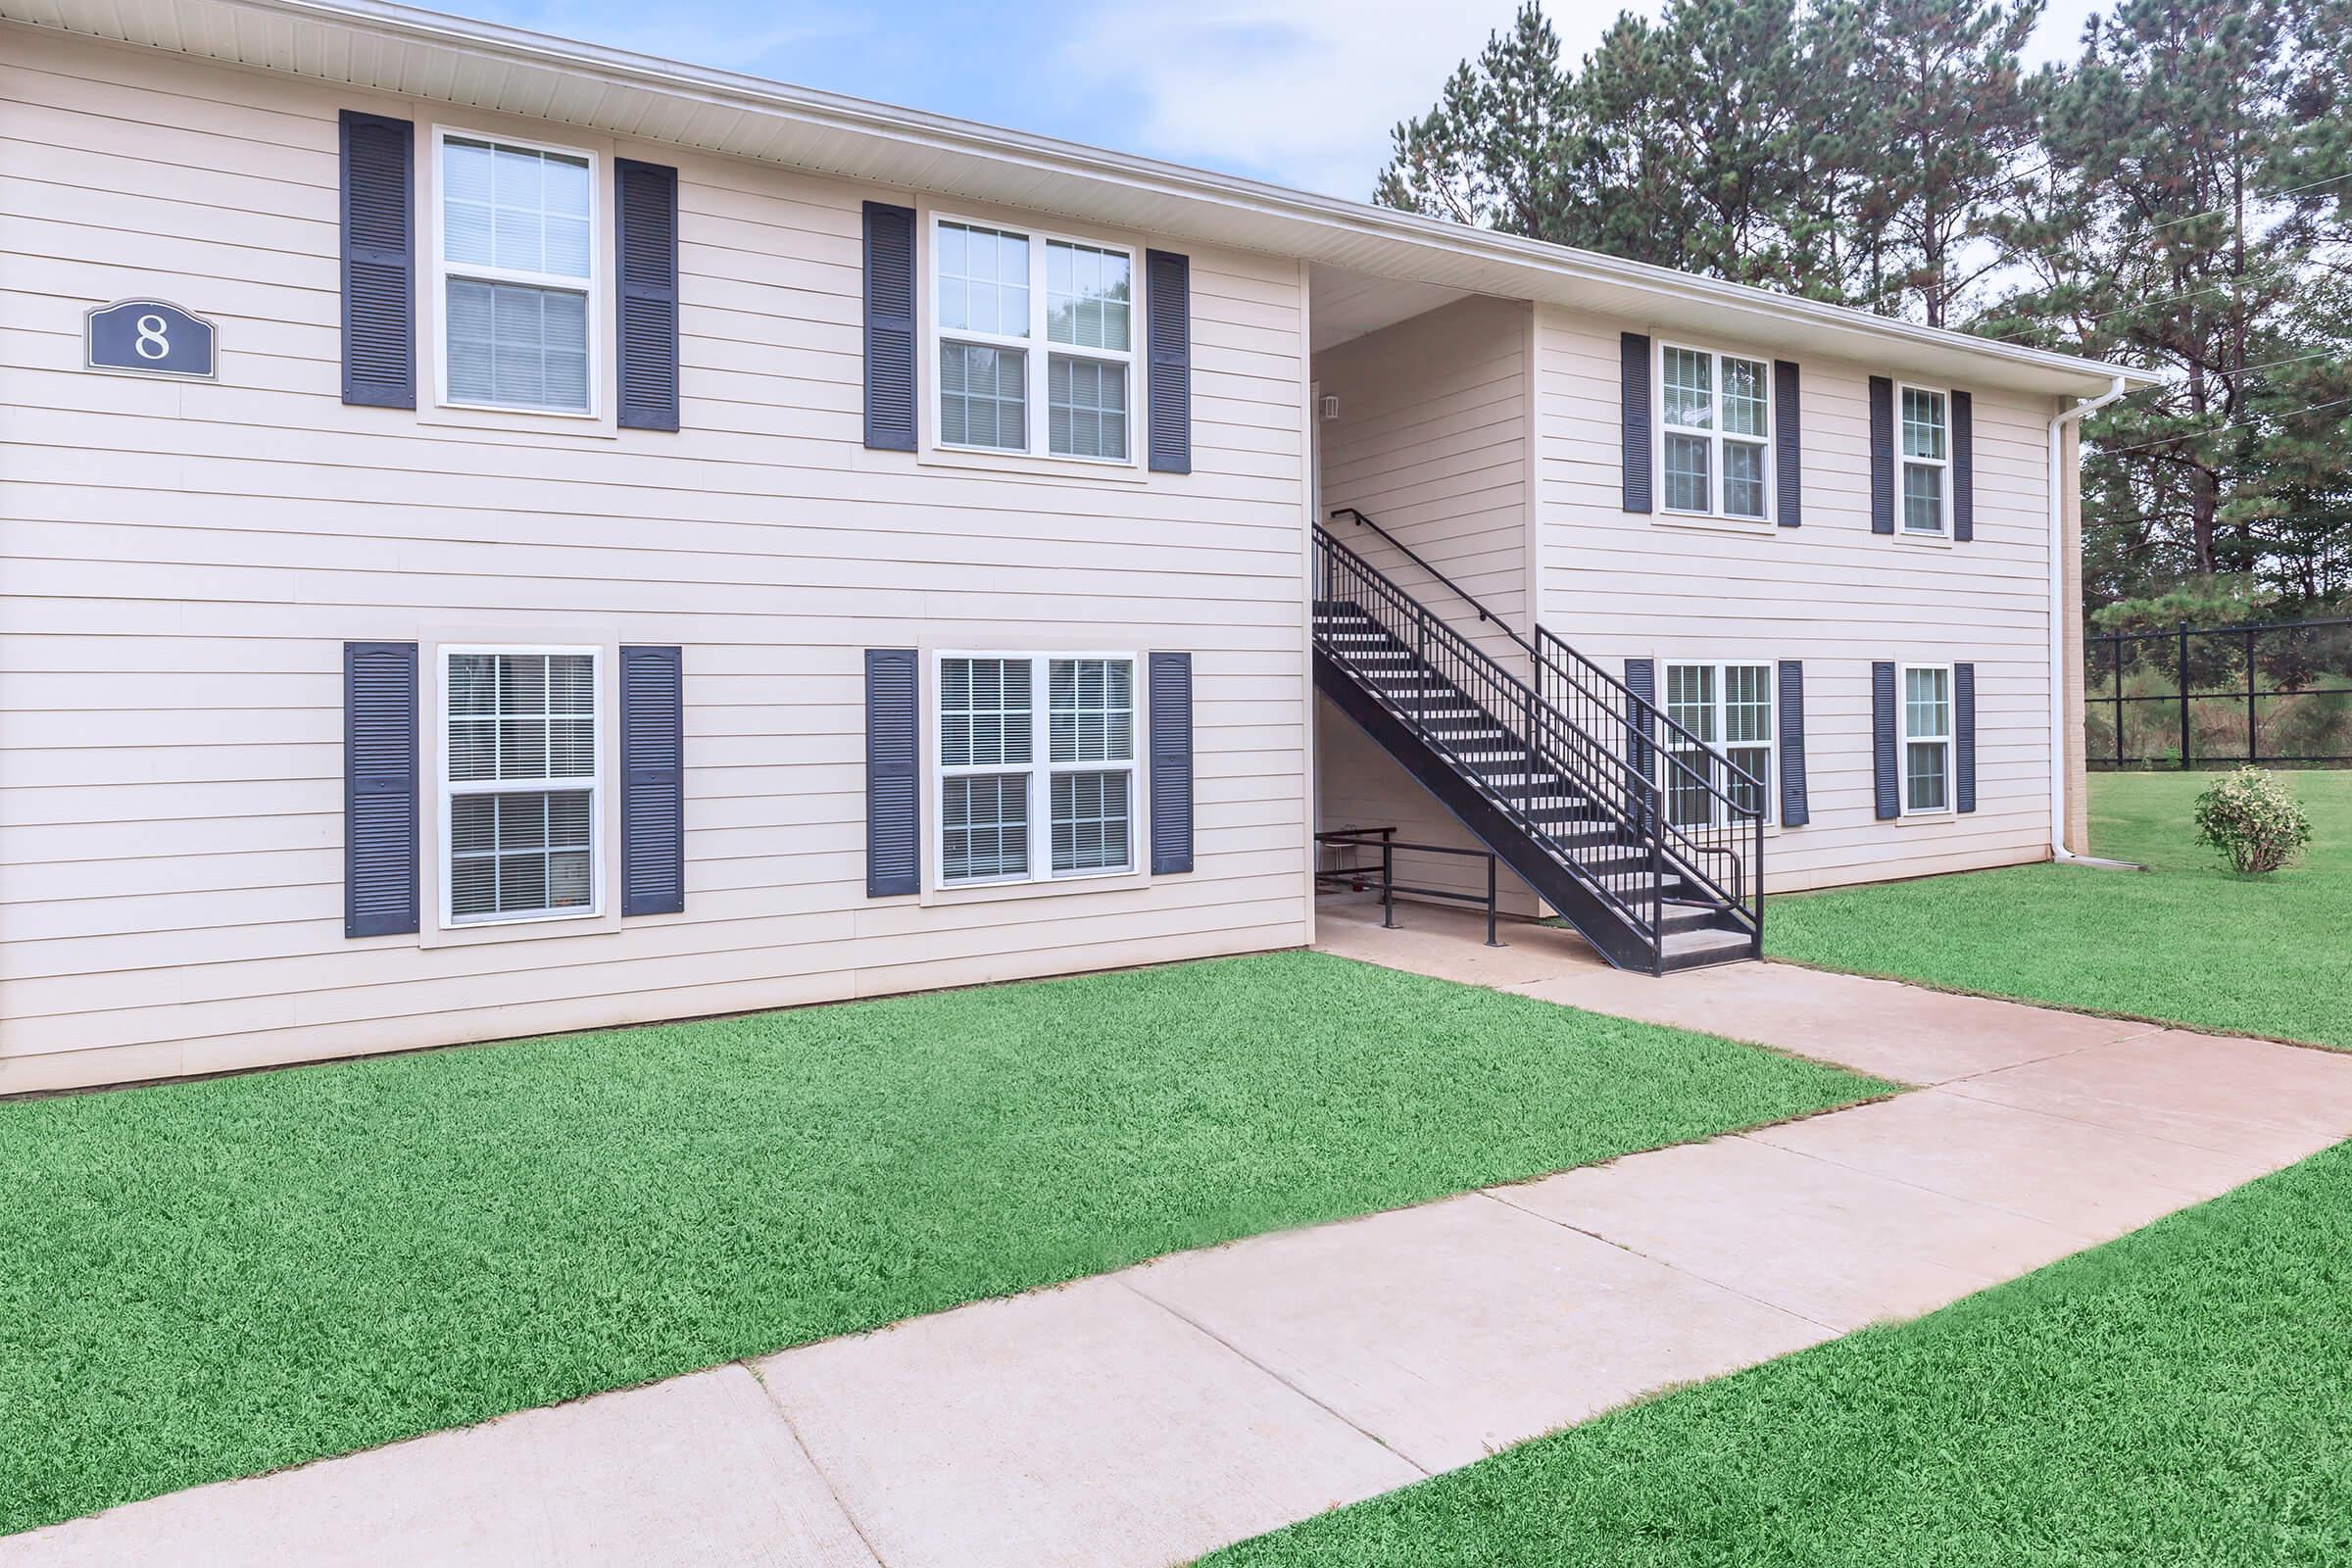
{"points": [[2222, 286], [2185, 435]]}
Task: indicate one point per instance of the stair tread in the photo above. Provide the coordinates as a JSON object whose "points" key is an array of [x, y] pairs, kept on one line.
{"points": [[1558, 822]]}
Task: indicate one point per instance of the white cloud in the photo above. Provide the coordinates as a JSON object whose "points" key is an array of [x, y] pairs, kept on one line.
{"points": [[1302, 91], [1306, 91]]}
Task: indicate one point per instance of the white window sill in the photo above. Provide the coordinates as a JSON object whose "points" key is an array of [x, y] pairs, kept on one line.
{"points": [[1036, 887], [1712, 522], [1091, 470], [522, 422], [521, 928], [1923, 541]]}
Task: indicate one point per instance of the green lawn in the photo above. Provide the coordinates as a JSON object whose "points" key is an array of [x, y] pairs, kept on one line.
{"points": [[2183, 1396], [212, 1279], [2188, 942]]}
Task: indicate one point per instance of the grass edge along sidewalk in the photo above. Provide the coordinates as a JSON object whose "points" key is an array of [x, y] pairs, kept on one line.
{"points": [[2187, 942], [2182, 1394], [218, 1277]]}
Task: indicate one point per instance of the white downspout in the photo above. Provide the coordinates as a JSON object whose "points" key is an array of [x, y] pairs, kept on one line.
{"points": [[2058, 608]]}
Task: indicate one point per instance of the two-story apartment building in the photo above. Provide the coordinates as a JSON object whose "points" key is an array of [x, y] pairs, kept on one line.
{"points": [[505, 536]]}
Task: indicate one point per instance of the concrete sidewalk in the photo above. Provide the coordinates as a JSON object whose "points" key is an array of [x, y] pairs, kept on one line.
{"points": [[1150, 1415]]}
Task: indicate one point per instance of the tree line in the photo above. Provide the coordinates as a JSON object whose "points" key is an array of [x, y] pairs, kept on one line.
{"points": [[2176, 197]]}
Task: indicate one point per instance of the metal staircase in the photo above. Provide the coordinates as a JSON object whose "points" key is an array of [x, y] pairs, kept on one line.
{"points": [[1645, 839]]}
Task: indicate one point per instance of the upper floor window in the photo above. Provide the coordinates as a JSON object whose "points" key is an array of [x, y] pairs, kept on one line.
{"points": [[1035, 765], [1004, 300], [518, 268], [1715, 421], [1726, 706], [1927, 460], [519, 784], [1927, 738]]}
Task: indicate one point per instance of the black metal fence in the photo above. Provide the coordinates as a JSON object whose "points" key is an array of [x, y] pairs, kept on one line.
{"points": [[2273, 693]]}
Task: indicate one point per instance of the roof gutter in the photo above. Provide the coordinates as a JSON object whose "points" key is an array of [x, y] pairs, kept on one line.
{"points": [[2058, 645]]}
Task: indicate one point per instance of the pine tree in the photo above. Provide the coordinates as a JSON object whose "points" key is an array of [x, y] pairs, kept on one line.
{"points": [[1935, 130], [2159, 241], [1493, 151], [1694, 131]]}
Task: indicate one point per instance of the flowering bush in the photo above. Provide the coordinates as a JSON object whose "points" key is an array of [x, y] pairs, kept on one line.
{"points": [[2257, 825]]}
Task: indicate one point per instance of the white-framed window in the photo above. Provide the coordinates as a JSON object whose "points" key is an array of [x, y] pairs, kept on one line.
{"points": [[522, 798], [1033, 337], [1924, 493], [1714, 433], [516, 275], [1036, 773], [1927, 760], [1728, 706]]}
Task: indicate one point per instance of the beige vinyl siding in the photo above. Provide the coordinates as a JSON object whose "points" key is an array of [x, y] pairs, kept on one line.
{"points": [[1619, 585], [1432, 443], [183, 563]]}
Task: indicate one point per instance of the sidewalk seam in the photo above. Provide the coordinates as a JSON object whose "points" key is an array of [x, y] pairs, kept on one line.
{"points": [[1214, 1336], [1830, 1328], [791, 1427]]}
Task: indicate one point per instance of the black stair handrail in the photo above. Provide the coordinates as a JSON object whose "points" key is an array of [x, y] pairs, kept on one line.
{"points": [[1629, 798], [1480, 667], [1414, 556], [1543, 658], [1606, 692], [1565, 676]]}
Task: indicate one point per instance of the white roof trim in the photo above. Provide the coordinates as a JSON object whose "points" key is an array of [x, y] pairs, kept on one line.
{"points": [[423, 53]]}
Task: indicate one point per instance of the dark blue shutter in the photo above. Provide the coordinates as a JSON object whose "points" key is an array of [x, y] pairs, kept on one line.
{"points": [[1168, 288], [645, 205], [893, 826], [379, 263], [1171, 697], [1964, 470], [1642, 679], [652, 781], [1881, 741], [1794, 810], [1882, 455], [889, 327], [1964, 736], [380, 789], [1633, 365], [1789, 456]]}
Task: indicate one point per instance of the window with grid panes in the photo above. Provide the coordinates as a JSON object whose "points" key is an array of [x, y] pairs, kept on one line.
{"points": [[1927, 737], [1029, 790], [517, 251], [1923, 419], [1729, 706], [520, 784], [1004, 297], [1715, 422]]}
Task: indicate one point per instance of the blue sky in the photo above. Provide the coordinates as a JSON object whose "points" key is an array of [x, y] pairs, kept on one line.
{"points": [[1298, 91]]}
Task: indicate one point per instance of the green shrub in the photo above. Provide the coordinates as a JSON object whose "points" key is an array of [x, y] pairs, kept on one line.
{"points": [[2257, 825]]}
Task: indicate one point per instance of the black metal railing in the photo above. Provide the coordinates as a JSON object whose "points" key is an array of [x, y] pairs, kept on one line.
{"points": [[1452, 587], [1581, 783], [2273, 692], [1381, 875], [1713, 809]]}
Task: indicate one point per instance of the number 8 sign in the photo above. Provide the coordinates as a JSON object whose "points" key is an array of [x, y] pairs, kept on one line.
{"points": [[149, 337]]}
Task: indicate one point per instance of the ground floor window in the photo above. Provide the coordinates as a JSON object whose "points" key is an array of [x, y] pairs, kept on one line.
{"points": [[1927, 737], [520, 788], [1727, 706], [1036, 766]]}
